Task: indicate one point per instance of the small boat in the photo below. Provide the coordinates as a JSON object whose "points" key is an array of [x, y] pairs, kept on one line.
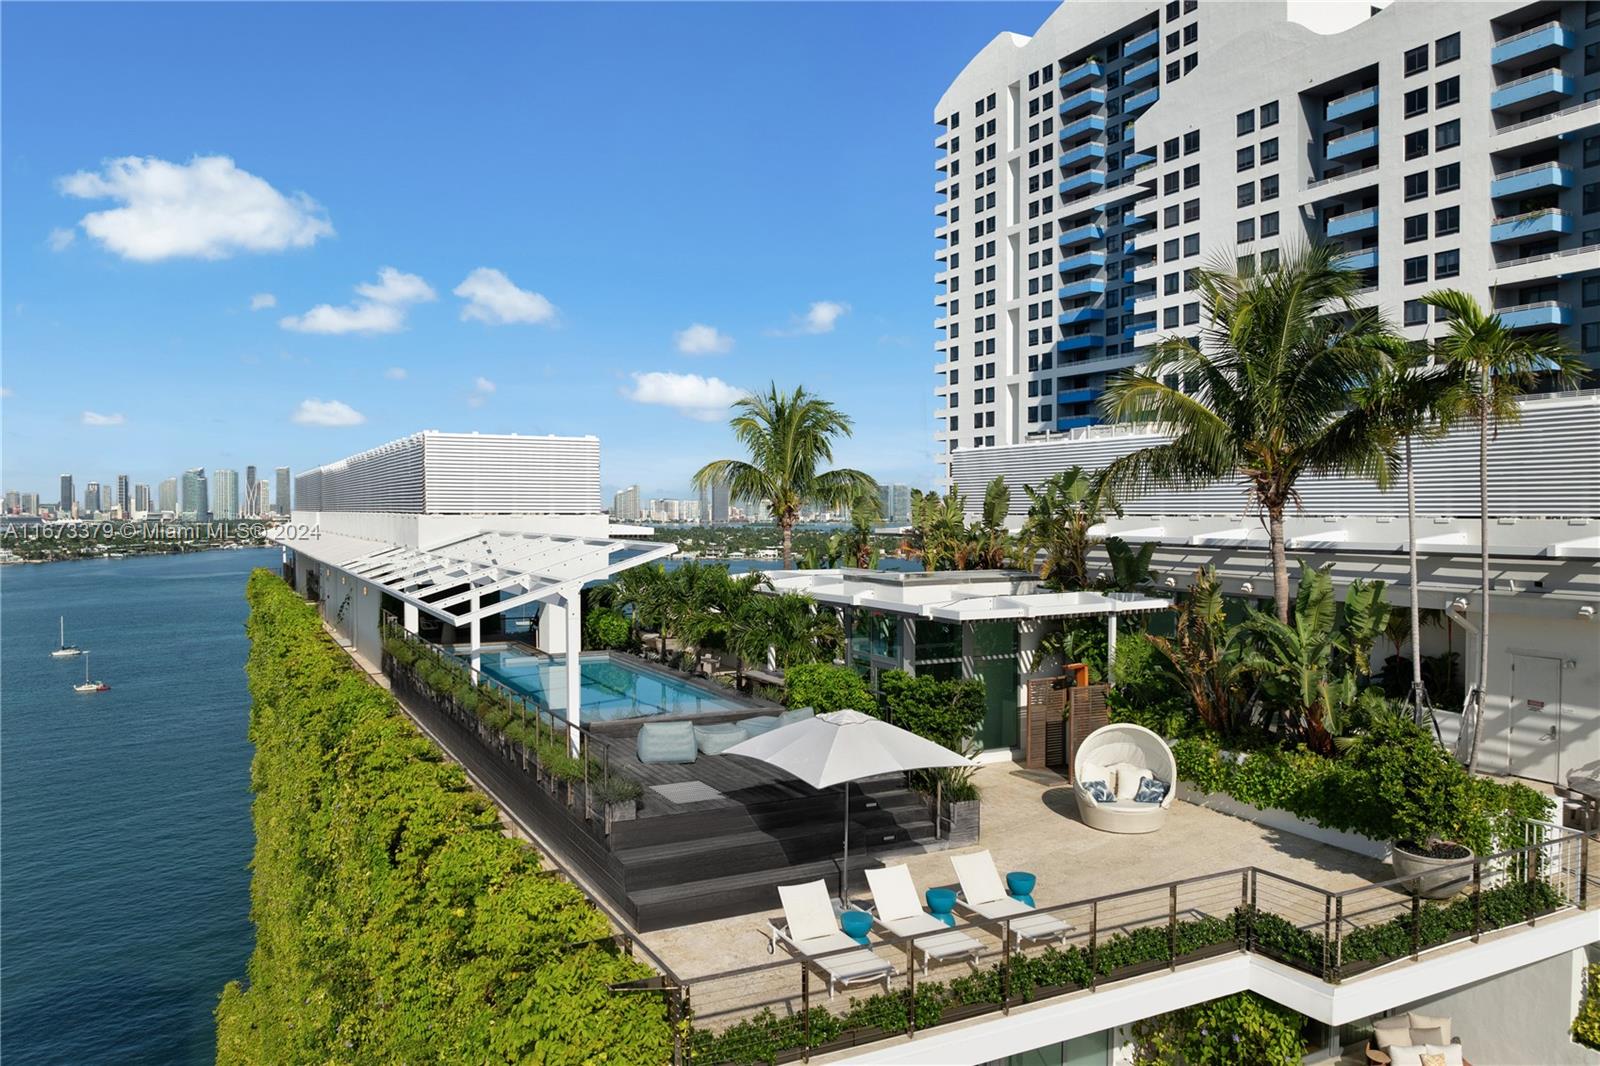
{"points": [[90, 686], [65, 651]]}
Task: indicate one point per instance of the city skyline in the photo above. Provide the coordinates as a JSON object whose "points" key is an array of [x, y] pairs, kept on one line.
{"points": [[346, 315], [122, 493]]}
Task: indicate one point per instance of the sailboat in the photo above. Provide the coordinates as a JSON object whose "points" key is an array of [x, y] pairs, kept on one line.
{"points": [[90, 686], [66, 651]]}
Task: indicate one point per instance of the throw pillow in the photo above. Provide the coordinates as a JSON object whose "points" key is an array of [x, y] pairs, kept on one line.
{"points": [[1388, 1032], [1430, 1035], [1099, 791], [1151, 790], [1093, 771], [1128, 777], [1431, 1021], [1406, 1055], [1451, 1053], [1430, 1059]]}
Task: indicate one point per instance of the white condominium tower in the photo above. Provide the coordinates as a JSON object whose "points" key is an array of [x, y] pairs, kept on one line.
{"points": [[1088, 168]]}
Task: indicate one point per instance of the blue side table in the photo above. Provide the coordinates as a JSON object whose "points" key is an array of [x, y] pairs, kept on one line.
{"points": [[856, 925], [942, 904], [1019, 886]]}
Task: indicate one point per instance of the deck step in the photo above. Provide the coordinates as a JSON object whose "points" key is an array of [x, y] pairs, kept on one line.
{"points": [[774, 815]]}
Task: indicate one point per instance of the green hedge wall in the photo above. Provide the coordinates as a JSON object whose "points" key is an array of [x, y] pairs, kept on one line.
{"points": [[395, 922]]}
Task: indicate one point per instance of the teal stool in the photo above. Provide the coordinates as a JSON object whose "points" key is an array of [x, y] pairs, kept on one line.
{"points": [[1019, 886], [856, 925], [942, 904]]}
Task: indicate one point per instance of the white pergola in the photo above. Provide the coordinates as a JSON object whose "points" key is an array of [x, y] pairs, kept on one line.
{"points": [[450, 581]]}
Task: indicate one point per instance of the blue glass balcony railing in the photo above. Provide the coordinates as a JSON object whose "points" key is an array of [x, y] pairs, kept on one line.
{"points": [[1353, 222], [1086, 100], [1144, 41], [1083, 152], [1133, 160], [1364, 259], [1077, 395], [1079, 234], [1536, 316], [1087, 126], [1351, 143], [1543, 87], [1085, 287], [1081, 314], [1530, 179], [1530, 224], [1353, 103], [1548, 39], [1080, 342], [1148, 69], [1077, 421], [1078, 75], [1140, 100], [1082, 181], [1092, 259], [1133, 218]]}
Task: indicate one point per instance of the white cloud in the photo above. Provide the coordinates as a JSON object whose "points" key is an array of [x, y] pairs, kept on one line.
{"points": [[61, 239], [206, 208], [263, 300], [493, 298], [327, 413], [701, 339], [381, 308], [822, 316], [95, 418], [702, 398], [482, 387], [395, 373]]}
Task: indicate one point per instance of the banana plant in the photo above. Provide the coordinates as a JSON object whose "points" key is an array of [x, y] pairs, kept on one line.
{"points": [[1366, 618], [1207, 657], [1060, 514], [1130, 568]]}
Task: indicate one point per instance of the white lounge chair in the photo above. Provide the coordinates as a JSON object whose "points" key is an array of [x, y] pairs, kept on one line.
{"points": [[984, 896], [896, 908], [811, 932], [1121, 754]]}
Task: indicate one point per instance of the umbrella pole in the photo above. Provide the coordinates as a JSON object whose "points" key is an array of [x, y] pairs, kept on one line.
{"points": [[844, 873]]}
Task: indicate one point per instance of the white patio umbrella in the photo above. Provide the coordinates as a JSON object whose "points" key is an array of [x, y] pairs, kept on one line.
{"points": [[844, 746]]}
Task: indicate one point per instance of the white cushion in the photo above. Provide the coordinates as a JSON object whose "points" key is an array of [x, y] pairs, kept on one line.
{"points": [[1387, 1032], [1093, 771], [1128, 777], [808, 910], [1431, 1021], [1451, 1053], [1407, 1054]]}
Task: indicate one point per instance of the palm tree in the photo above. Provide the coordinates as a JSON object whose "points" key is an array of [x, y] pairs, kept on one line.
{"points": [[787, 437], [988, 543], [938, 530], [1414, 395], [1502, 365], [1264, 392], [1060, 513]]}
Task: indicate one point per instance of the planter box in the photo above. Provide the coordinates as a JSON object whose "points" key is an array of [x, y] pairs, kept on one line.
{"points": [[963, 827], [625, 811], [1284, 822]]}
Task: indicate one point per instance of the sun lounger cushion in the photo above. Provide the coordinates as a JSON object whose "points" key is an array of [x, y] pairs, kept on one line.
{"points": [[1391, 1032], [809, 912], [1093, 771], [795, 714], [756, 726], [1430, 1021], [1128, 777], [666, 742], [980, 881], [716, 739]]}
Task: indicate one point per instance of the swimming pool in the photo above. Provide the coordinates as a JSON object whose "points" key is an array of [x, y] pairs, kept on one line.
{"points": [[610, 689]]}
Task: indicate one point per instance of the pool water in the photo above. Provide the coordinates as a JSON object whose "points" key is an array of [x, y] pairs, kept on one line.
{"points": [[610, 689]]}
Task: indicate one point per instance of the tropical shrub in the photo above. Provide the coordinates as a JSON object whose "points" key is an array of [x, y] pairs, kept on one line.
{"points": [[825, 687], [395, 921], [1143, 693], [1586, 1025], [945, 712], [1234, 1029], [606, 627]]}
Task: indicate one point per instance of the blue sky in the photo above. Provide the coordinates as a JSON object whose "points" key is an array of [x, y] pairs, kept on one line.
{"points": [[557, 194]]}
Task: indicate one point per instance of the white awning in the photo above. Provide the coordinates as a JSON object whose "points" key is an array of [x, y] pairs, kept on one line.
{"points": [[450, 581]]}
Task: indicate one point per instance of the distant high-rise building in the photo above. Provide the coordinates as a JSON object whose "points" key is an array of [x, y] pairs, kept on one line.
{"points": [[195, 502], [894, 504], [284, 501], [141, 499], [30, 503], [703, 506], [225, 494], [124, 498], [167, 496], [13, 502], [91, 498], [625, 505], [68, 496], [249, 485], [719, 504], [257, 501]]}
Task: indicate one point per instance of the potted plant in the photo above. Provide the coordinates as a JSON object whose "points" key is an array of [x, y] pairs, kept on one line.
{"points": [[961, 804], [1398, 778], [619, 798]]}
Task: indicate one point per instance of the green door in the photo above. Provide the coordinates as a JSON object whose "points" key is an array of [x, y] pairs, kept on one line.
{"points": [[994, 646]]}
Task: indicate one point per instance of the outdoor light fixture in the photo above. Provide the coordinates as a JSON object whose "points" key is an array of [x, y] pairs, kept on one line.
{"points": [[1586, 611], [1248, 586]]}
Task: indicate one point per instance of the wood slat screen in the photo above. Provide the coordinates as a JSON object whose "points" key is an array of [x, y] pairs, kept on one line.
{"points": [[1047, 726], [1088, 713]]}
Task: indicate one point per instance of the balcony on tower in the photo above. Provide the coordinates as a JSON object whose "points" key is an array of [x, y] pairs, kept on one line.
{"points": [[1082, 182], [1076, 421], [1086, 313], [1081, 129], [1550, 39], [1142, 43], [1076, 395], [1142, 325], [1139, 72], [1546, 222], [1551, 175], [1546, 314], [1350, 146], [1082, 74], [1359, 221], [1081, 342], [1083, 287], [1360, 259], [1082, 153], [1547, 86], [1084, 100], [1135, 160], [1093, 259], [1141, 100], [1079, 234], [1353, 103]]}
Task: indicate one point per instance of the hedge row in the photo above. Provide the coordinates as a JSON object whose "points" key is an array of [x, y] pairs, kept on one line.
{"points": [[765, 1036], [395, 922]]}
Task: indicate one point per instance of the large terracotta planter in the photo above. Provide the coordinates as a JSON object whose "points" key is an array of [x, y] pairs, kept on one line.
{"points": [[1433, 878]]}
